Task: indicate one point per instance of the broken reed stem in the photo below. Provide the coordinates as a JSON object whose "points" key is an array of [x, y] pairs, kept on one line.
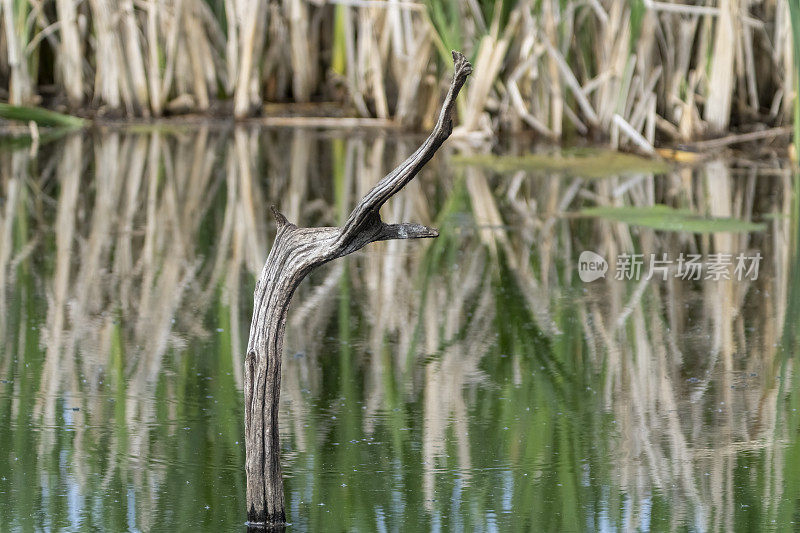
{"points": [[296, 252]]}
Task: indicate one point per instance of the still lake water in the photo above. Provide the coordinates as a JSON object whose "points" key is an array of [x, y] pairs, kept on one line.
{"points": [[467, 383]]}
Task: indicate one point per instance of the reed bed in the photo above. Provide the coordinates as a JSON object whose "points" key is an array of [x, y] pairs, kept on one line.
{"points": [[635, 73]]}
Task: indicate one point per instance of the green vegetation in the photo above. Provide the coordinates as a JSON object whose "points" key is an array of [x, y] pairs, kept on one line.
{"points": [[40, 116], [666, 218], [583, 163], [794, 13]]}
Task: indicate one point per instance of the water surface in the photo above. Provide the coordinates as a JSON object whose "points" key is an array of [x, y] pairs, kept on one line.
{"points": [[467, 383]]}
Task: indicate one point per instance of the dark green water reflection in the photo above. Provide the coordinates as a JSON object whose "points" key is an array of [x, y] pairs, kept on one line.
{"points": [[470, 383]]}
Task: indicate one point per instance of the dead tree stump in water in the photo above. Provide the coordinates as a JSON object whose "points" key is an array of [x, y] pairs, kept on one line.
{"points": [[296, 252]]}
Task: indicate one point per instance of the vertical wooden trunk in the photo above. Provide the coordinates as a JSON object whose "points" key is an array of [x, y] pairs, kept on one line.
{"points": [[295, 252], [262, 382]]}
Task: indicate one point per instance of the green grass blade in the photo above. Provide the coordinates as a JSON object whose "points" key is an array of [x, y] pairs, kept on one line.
{"points": [[40, 116]]}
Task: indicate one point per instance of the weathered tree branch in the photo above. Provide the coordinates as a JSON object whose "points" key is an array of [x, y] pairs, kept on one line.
{"points": [[295, 252], [404, 173]]}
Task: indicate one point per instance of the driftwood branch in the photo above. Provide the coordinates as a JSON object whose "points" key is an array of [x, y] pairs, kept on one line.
{"points": [[295, 252]]}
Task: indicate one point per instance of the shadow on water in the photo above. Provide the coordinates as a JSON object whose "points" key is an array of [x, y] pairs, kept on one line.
{"points": [[472, 382]]}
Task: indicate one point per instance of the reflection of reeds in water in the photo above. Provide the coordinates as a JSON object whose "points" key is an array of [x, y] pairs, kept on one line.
{"points": [[664, 421], [162, 227]]}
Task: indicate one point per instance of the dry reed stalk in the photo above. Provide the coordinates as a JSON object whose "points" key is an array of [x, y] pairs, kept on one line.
{"points": [[70, 56], [784, 50], [406, 112], [749, 67], [195, 43], [614, 64], [153, 69], [303, 50], [213, 42], [375, 69], [134, 58], [352, 72], [110, 78], [252, 16], [556, 95], [633, 134], [491, 53], [231, 45], [19, 85], [679, 73], [363, 56], [721, 78]]}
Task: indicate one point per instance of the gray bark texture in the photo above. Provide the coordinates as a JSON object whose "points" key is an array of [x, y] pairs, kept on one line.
{"points": [[296, 252]]}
